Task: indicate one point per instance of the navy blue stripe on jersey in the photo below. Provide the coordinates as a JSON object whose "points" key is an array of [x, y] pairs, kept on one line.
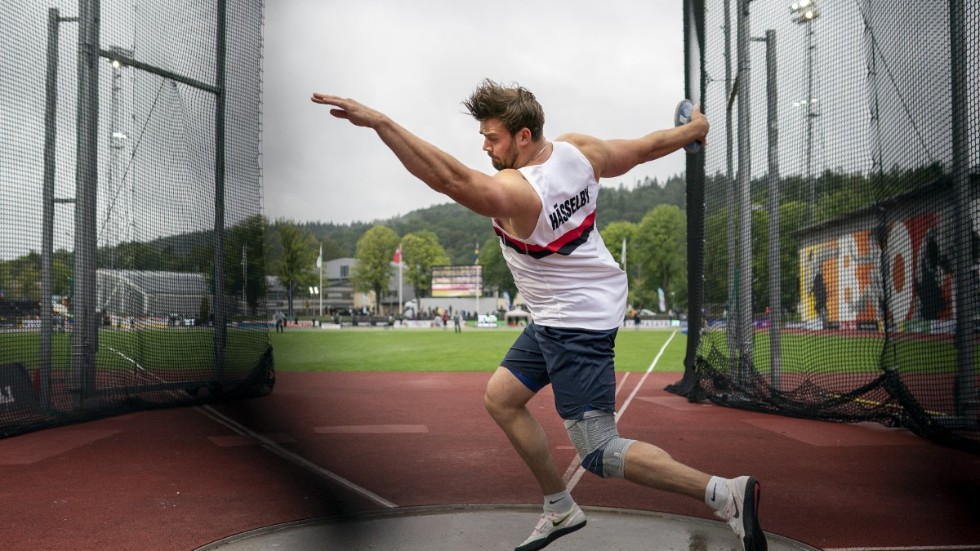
{"points": [[564, 245]]}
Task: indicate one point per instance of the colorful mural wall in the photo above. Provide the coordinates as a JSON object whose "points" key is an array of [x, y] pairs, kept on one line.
{"points": [[843, 279]]}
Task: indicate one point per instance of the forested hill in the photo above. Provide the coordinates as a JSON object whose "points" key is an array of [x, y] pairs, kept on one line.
{"points": [[460, 231]]}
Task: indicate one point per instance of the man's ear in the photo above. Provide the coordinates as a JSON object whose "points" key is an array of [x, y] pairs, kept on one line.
{"points": [[524, 137]]}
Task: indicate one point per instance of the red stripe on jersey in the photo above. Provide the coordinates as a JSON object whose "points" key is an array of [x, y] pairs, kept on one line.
{"points": [[565, 244]]}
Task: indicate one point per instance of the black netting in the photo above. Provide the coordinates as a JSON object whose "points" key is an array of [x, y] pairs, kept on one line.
{"points": [[131, 257], [841, 259]]}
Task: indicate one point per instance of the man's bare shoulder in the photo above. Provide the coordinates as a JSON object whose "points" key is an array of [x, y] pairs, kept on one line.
{"points": [[594, 149], [514, 187], [578, 140], [518, 205], [509, 176]]}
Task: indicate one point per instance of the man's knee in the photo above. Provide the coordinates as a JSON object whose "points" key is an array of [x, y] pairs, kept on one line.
{"points": [[491, 399], [602, 450], [491, 403], [499, 396]]}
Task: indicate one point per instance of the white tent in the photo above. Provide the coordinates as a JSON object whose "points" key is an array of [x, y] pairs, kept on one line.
{"points": [[517, 315]]}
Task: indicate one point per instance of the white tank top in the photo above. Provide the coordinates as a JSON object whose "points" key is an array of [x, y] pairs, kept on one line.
{"points": [[563, 270]]}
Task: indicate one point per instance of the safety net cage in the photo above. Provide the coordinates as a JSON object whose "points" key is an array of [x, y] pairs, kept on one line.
{"points": [[836, 274], [131, 248]]}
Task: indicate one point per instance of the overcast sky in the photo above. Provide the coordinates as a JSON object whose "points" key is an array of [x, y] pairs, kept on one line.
{"points": [[610, 69]]}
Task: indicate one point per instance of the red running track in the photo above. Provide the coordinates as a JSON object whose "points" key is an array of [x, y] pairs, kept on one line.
{"points": [[324, 444]]}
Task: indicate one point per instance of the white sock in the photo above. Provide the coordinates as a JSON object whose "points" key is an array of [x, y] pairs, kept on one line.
{"points": [[716, 493], [558, 503]]}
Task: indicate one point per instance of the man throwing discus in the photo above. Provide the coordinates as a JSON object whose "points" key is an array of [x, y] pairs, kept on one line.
{"points": [[542, 205]]}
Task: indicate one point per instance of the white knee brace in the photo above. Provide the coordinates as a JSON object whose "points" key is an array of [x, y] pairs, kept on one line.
{"points": [[602, 450]]}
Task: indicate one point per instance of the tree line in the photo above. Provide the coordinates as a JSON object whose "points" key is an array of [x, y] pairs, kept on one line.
{"points": [[450, 234], [650, 218]]}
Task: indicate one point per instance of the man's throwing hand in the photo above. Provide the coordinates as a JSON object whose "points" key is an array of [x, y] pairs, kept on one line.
{"points": [[357, 114]]}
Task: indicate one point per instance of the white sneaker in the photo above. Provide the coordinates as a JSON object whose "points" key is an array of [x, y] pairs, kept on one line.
{"points": [[552, 526], [741, 511]]}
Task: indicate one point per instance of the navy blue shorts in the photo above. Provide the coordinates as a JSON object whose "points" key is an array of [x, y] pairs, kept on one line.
{"points": [[577, 363]]}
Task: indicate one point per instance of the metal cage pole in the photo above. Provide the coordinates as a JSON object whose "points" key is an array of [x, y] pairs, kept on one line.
{"points": [[694, 169], [731, 331], [220, 308], [775, 250], [85, 336], [966, 399], [48, 200], [744, 179], [772, 187]]}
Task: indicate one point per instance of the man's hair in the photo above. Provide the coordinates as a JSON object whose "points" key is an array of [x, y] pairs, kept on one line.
{"points": [[515, 107]]}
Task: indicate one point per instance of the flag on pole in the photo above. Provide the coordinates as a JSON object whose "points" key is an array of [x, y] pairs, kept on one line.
{"points": [[397, 259], [319, 266], [622, 256], [663, 299]]}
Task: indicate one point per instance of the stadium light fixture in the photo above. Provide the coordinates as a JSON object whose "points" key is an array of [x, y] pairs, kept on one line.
{"points": [[804, 11], [804, 103], [118, 57]]}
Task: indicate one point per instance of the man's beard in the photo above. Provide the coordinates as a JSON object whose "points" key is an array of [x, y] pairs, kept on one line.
{"points": [[510, 161]]}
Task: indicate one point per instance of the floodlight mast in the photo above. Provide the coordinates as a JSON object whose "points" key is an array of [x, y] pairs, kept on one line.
{"points": [[804, 12], [117, 144]]}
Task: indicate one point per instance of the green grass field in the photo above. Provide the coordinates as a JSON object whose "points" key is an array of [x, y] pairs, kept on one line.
{"points": [[153, 349], [482, 350], [817, 353], [438, 350], [472, 350], [316, 350]]}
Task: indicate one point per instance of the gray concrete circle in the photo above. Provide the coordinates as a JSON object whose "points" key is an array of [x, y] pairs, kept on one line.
{"points": [[492, 527]]}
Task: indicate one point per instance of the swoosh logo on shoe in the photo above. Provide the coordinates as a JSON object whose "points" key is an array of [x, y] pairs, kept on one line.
{"points": [[555, 523]]}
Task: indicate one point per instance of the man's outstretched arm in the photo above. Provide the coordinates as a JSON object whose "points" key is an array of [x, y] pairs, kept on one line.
{"points": [[501, 196], [612, 158]]}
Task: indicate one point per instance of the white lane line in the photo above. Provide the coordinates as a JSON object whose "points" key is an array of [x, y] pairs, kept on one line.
{"points": [[645, 375], [292, 457], [578, 469]]}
